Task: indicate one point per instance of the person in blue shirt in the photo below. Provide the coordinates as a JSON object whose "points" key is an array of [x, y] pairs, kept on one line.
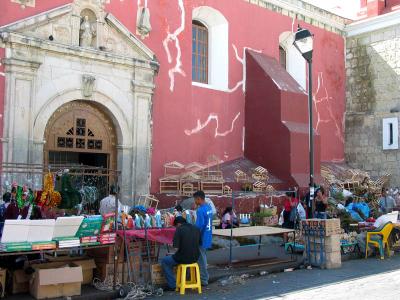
{"points": [[204, 215]]}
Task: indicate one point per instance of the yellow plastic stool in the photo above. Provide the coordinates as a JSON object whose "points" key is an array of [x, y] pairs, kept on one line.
{"points": [[194, 283]]}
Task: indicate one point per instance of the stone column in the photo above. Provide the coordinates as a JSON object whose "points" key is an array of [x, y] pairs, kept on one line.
{"points": [[18, 108], [142, 87]]}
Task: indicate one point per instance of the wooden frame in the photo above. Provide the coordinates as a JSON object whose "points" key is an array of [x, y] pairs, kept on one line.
{"points": [[260, 174], [169, 185], [189, 183], [173, 168], [241, 176], [227, 190], [148, 201], [187, 189], [212, 187], [194, 167], [259, 186]]}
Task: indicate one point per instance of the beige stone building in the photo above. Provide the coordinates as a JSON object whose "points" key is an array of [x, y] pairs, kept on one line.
{"points": [[373, 95]]}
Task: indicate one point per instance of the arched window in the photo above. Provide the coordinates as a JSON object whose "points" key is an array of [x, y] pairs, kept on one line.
{"points": [[210, 55], [199, 52], [294, 63]]}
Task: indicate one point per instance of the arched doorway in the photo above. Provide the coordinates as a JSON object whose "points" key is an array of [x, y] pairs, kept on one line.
{"points": [[80, 133]]}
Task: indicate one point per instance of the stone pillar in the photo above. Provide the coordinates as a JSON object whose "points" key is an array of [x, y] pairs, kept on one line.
{"points": [[142, 87], [18, 110]]}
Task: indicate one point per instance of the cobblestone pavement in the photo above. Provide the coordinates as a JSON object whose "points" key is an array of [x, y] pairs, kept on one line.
{"points": [[357, 279]]}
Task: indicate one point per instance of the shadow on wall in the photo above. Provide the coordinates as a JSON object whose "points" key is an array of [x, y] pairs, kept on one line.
{"points": [[372, 93]]}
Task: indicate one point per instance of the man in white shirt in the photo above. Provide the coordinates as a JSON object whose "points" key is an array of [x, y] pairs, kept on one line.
{"points": [[107, 205], [380, 222]]}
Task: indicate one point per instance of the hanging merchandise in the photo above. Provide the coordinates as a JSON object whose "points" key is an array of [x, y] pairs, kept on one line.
{"points": [[147, 221], [138, 224], [18, 197], [158, 219], [48, 197], [70, 196], [89, 195]]}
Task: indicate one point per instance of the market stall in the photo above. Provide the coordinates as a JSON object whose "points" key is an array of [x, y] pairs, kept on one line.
{"points": [[48, 213]]}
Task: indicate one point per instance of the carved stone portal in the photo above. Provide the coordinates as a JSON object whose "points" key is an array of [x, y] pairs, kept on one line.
{"points": [[87, 85]]}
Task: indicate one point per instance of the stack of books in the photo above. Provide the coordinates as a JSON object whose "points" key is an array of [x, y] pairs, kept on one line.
{"points": [[89, 241], [44, 245], [107, 238], [15, 247], [67, 242]]}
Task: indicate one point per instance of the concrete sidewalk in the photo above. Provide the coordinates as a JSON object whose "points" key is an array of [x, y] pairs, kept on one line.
{"points": [[358, 273]]}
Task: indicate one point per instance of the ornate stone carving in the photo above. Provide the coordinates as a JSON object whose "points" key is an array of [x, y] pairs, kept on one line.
{"points": [[143, 26], [87, 32], [87, 85], [25, 3]]}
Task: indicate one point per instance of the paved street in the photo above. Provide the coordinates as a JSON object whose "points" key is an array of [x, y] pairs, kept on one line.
{"points": [[357, 279]]}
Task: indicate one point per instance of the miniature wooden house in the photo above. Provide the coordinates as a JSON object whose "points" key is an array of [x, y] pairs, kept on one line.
{"points": [[260, 174], [227, 190], [259, 186], [170, 184], [173, 168], [241, 176], [194, 167], [189, 183]]}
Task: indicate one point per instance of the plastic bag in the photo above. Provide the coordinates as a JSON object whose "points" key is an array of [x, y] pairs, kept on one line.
{"points": [[280, 221]]}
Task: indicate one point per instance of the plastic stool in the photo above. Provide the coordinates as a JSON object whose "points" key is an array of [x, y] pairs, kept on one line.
{"points": [[194, 283]]}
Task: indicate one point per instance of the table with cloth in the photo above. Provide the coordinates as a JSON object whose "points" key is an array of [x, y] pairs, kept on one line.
{"points": [[143, 247]]}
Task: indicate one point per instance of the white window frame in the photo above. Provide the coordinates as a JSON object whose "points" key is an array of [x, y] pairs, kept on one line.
{"points": [[295, 63], [390, 133], [218, 55]]}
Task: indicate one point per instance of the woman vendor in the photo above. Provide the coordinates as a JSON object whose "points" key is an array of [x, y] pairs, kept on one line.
{"points": [[290, 210], [321, 204], [229, 219]]}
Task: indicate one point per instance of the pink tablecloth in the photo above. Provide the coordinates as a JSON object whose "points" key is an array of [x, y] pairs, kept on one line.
{"points": [[162, 236]]}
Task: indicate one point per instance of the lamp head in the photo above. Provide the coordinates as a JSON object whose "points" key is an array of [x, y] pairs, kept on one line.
{"points": [[303, 41]]}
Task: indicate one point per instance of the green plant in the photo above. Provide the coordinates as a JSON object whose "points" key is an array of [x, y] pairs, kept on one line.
{"points": [[257, 218]]}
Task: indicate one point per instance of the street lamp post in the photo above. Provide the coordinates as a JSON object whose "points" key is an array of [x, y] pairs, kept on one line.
{"points": [[303, 41]]}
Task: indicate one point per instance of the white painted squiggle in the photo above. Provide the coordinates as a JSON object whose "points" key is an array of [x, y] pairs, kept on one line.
{"points": [[327, 99], [1, 73], [173, 37], [242, 60], [139, 3], [200, 126]]}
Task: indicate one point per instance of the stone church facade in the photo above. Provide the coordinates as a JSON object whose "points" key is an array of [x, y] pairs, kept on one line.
{"points": [[52, 71]]}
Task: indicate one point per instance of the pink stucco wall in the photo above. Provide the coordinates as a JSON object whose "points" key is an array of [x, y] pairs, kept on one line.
{"points": [[181, 110]]}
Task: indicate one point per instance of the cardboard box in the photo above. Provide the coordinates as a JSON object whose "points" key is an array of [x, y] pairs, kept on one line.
{"points": [[54, 280], [20, 282], [87, 269], [3, 275]]}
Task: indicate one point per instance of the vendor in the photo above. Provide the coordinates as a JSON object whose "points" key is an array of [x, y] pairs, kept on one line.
{"points": [[229, 219], [290, 210], [178, 211], [107, 205], [321, 204], [187, 241], [386, 202], [378, 225]]}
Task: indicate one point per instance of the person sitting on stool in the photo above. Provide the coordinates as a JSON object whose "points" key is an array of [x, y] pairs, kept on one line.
{"points": [[187, 240]]}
